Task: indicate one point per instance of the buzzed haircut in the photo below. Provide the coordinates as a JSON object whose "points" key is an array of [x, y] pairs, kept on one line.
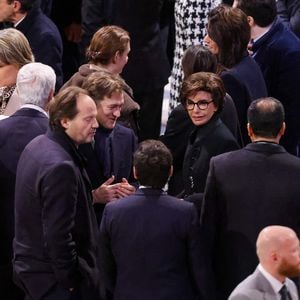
{"points": [[152, 161], [266, 116]]}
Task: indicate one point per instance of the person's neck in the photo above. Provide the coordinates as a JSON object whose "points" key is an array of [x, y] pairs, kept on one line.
{"points": [[273, 272], [18, 17], [257, 139], [257, 31]]}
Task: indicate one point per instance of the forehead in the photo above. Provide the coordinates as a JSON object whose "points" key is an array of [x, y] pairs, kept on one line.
{"points": [[116, 98], [200, 95], [85, 105]]}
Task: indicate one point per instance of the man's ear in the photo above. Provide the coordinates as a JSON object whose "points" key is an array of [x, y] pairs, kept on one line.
{"points": [[171, 171], [65, 123], [134, 173], [282, 129], [249, 130], [17, 6], [250, 21]]}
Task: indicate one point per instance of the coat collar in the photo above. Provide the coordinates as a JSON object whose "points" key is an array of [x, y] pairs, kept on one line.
{"points": [[150, 192], [265, 147], [29, 112], [276, 26]]}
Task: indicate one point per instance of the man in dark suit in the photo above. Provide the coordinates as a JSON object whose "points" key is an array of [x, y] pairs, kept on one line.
{"points": [[35, 86], [109, 158], [55, 226], [278, 250], [148, 67], [247, 190], [41, 32], [150, 243], [277, 51]]}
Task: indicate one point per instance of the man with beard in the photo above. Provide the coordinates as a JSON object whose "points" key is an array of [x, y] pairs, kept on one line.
{"points": [[278, 250]]}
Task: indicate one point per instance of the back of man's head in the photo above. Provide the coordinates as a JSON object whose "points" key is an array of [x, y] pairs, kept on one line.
{"points": [[263, 12], [102, 84], [35, 84], [152, 163], [266, 117]]}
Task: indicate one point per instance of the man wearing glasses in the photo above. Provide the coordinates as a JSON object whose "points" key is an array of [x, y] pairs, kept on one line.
{"points": [[202, 95]]}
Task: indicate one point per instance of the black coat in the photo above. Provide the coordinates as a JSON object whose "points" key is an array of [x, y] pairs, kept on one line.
{"points": [[178, 129], [151, 248], [15, 133], [55, 224], [245, 83], [246, 191], [206, 141], [45, 41]]}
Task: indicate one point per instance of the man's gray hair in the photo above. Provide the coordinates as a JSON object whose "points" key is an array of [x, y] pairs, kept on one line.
{"points": [[35, 81]]}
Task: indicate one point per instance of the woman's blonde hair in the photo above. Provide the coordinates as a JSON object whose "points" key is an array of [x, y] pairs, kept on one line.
{"points": [[14, 48]]}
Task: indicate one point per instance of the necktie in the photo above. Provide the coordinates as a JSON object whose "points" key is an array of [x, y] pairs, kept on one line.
{"points": [[285, 295]]}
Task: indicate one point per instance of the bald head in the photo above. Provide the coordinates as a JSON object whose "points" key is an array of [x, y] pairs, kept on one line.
{"points": [[278, 251]]}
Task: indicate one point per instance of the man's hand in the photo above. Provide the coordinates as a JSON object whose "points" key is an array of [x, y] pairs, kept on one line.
{"points": [[125, 189], [106, 192]]}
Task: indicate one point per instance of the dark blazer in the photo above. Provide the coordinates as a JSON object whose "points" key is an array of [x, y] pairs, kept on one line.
{"points": [[178, 129], [247, 190], [55, 225], [278, 55], [257, 287], [289, 12], [123, 145], [152, 248], [205, 142], [244, 82], [44, 40], [15, 133]]}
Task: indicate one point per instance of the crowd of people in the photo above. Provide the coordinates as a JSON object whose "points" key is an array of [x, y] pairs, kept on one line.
{"points": [[95, 204]]}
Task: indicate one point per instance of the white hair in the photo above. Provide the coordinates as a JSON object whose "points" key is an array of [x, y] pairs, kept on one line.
{"points": [[35, 82]]}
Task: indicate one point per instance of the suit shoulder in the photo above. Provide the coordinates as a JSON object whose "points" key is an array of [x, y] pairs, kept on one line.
{"points": [[124, 130]]}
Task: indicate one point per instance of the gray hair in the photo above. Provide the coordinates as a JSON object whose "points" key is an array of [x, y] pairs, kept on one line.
{"points": [[35, 81]]}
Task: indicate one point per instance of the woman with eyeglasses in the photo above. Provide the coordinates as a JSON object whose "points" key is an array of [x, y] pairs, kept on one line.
{"points": [[202, 95]]}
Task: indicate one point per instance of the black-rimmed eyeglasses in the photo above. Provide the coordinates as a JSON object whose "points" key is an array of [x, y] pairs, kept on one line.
{"points": [[202, 104]]}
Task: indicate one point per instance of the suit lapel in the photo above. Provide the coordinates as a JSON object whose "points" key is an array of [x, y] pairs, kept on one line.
{"points": [[264, 286]]}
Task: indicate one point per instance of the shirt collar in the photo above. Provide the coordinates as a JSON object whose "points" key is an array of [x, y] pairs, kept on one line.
{"points": [[32, 106], [267, 30], [275, 283], [17, 23]]}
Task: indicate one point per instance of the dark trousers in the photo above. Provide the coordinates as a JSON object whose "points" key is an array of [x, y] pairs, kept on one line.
{"points": [[150, 113]]}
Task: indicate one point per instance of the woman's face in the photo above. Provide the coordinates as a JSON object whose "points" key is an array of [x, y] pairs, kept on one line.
{"points": [[200, 116], [211, 44], [121, 59], [8, 74]]}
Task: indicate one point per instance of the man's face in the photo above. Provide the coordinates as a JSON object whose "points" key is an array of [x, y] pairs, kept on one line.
{"points": [[82, 128], [290, 259], [6, 11], [201, 116], [109, 110]]}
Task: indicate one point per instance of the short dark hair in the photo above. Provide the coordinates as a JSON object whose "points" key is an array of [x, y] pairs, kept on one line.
{"points": [[207, 82], [26, 5], [152, 161], [263, 12], [102, 83], [228, 27], [198, 58], [266, 116], [64, 105]]}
